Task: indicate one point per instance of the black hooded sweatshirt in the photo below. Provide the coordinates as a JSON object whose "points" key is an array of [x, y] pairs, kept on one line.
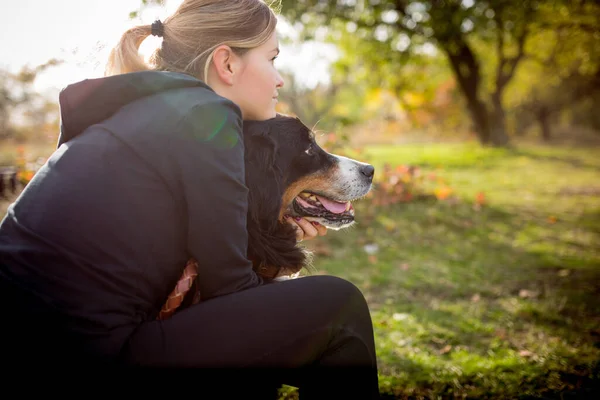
{"points": [[149, 172]]}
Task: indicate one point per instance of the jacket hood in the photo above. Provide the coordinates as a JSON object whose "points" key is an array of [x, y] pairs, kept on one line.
{"points": [[91, 101]]}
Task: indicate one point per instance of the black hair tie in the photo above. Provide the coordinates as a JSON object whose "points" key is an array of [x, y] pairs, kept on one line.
{"points": [[158, 28]]}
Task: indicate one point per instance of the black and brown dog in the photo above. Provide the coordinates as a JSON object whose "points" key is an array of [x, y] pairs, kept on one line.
{"points": [[287, 172]]}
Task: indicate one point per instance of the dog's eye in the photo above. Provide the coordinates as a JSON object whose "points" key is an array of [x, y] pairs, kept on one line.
{"points": [[309, 151]]}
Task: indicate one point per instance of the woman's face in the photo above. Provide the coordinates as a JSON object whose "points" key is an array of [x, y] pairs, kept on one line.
{"points": [[258, 82]]}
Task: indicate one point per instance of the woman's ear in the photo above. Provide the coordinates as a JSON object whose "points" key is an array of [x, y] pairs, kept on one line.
{"points": [[226, 64]]}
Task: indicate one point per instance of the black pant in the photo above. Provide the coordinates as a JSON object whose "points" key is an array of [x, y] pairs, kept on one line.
{"points": [[314, 333]]}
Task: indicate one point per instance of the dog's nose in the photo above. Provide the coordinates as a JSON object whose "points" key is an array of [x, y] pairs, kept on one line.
{"points": [[368, 171]]}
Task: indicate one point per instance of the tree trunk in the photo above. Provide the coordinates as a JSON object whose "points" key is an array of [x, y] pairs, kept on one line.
{"points": [[466, 70], [543, 117], [498, 135]]}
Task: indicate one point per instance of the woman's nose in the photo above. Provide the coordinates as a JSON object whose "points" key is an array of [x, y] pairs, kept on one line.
{"points": [[279, 81]]}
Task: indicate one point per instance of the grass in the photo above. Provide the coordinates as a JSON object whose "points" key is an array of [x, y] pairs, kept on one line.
{"points": [[492, 302]]}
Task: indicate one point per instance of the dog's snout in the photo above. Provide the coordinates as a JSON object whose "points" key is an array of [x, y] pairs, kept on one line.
{"points": [[367, 170], [353, 179]]}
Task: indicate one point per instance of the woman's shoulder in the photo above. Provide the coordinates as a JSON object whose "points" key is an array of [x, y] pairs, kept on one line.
{"points": [[195, 101], [187, 109], [208, 117]]}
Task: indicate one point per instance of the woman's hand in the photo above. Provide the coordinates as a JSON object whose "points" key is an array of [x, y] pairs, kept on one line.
{"points": [[306, 230]]}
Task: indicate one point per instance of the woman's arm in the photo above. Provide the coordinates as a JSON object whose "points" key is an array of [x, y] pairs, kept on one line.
{"points": [[210, 155]]}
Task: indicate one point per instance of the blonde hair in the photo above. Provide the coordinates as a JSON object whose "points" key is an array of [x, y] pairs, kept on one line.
{"points": [[192, 34]]}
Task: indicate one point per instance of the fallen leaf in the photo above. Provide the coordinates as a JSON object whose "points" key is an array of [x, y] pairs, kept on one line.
{"points": [[524, 293], [373, 259], [402, 169], [500, 333], [404, 267], [443, 192], [564, 272], [446, 349], [400, 316], [552, 219], [476, 297], [525, 353], [480, 198]]}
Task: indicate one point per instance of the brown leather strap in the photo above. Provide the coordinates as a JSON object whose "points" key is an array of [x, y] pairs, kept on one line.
{"points": [[182, 287]]}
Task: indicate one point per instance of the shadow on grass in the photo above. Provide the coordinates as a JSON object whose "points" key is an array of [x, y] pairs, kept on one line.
{"points": [[564, 159], [478, 303]]}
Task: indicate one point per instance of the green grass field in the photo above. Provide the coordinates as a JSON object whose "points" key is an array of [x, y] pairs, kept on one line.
{"points": [[496, 302]]}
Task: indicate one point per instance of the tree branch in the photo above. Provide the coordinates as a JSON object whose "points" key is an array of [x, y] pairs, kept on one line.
{"points": [[500, 50], [400, 8], [586, 27], [513, 62], [507, 66]]}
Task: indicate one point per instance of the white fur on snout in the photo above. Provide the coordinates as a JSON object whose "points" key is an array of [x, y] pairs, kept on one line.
{"points": [[348, 181]]}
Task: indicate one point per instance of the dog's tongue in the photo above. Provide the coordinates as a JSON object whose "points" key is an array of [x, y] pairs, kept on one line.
{"points": [[333, 206]]}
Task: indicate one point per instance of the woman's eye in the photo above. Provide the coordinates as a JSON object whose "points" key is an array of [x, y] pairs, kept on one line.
{"points": [[273, 59]]}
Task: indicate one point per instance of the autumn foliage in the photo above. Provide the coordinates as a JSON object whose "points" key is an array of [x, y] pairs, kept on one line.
{"points": [[24, 170], [407, 183]]}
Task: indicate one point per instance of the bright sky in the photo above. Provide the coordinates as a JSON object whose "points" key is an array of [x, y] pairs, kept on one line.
{"points": [[82, 32]]}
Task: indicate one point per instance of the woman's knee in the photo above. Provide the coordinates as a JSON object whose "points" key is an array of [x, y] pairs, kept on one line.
{"points": [[341, 287], [339, 294], [351, 341]]}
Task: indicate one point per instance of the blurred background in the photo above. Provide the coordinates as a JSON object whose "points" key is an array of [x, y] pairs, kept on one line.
{"points": [[478, 248]]}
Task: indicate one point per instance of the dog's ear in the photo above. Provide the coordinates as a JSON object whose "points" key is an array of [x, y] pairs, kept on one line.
{"points": [[264, 177], [271, 243]]}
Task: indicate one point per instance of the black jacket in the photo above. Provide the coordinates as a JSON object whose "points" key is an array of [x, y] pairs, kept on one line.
{"points": [[149, 172]]}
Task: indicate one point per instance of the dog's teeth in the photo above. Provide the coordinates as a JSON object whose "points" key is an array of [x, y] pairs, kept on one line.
{"points": [[347, 206], [305, 195], [313, 197]]}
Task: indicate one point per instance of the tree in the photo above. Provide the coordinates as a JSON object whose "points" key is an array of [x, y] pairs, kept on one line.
{"points": [[398, 29], [17, 97], [561, 73]]}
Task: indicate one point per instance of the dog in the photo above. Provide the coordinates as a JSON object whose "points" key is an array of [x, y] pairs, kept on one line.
{"points": [[288, 173]]}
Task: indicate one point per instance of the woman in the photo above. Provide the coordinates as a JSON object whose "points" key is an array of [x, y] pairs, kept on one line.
{"points": [[149, 172]]}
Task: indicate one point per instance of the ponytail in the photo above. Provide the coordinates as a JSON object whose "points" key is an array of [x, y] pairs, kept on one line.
{"points": [[125, 57]]}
